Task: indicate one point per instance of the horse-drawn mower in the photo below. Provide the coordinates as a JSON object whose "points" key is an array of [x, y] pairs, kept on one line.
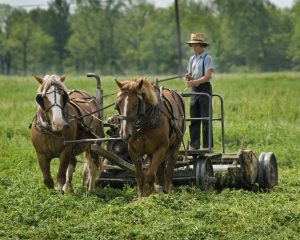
{"points": [[204, 168]]}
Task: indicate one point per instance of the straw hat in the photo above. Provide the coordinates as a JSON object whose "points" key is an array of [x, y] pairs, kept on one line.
{"points": [[197, 38]]}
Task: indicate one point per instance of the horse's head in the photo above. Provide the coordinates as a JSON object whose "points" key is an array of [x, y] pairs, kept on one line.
{"points": [[132, 100], [52, 97]]}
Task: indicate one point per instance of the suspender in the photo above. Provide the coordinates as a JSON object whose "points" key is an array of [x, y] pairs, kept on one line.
{"points": [[203, 65]]}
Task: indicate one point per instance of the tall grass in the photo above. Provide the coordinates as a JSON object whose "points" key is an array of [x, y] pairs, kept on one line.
{"points": [[261, 113]]}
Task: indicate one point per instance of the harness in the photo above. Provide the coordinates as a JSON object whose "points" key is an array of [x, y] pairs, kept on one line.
{"points": [[40, 100], [153, 117], [170, 110], [80, 118], [44, 125], [144, 119]]}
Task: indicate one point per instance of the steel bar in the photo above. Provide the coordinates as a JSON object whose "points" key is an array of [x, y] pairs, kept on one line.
{"points": [[224, 167], [91, 140], [171, 78], [113, 158]]}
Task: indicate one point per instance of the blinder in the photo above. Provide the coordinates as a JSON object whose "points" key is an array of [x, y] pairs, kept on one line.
{"points": [[141, 107], [65, 99], [39, 99], [117, 107]]}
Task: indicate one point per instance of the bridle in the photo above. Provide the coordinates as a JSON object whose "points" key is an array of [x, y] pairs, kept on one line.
{"points": [[143, 120], [40, 101], [141, 107]]}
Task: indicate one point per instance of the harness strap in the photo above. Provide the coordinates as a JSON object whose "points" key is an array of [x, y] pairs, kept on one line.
{"points": [[80, 119], [151, 120], [41, 127], [203, 65]]}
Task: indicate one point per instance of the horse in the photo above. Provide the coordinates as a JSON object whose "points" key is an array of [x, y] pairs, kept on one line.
{"points": [[61, 116], [153, 124]]}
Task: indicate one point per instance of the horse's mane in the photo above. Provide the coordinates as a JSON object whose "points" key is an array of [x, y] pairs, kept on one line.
{"points": [[51, 80], [147, 90]]}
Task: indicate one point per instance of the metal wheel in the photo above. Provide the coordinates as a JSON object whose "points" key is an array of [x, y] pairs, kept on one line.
{"points": [[268, 170], [205, 174]]}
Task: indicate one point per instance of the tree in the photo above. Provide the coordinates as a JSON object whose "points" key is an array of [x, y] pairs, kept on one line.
{"points": [[5, 55], [27, 43], [243, 28], [134, 36], [59, 29], [277, 39], [198, 17], [92, 43], [294, 47]]}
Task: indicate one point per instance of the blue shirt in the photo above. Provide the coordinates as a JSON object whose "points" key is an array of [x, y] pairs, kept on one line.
{"points": [[195, 65]]}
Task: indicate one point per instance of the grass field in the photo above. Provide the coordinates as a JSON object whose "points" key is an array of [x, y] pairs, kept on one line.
{"points": [[262, 113]]}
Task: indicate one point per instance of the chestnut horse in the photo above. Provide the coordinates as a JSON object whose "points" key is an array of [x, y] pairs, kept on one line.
{"points": [[153, 123], [64, 116]]}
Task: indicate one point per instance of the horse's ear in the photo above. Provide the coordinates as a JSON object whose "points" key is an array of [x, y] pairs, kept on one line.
{"points": [[120, 85], [38, 78], [62, 78], [140, 83]]}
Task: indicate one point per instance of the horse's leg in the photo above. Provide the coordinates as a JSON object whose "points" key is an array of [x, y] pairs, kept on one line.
{"points": [[85, 173], [95, 165], [62, 170], [71, 169], [169, 171], [160, 178], [139, 176], [150, 173], [44, 163]]}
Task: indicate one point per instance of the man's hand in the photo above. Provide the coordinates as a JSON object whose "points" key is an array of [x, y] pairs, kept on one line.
{"points": [[191, 83], [188, 77]]}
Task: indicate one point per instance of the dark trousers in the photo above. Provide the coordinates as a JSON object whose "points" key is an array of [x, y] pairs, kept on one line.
{"points": [[199, 107]]}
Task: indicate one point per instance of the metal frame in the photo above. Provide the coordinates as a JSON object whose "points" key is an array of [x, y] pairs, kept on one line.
{"points": [[209, 118], [198, 165]]}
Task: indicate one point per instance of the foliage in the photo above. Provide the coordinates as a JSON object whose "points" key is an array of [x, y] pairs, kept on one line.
{"points": [[134, 36], [59, 11], [294, 48], [261, 113]]}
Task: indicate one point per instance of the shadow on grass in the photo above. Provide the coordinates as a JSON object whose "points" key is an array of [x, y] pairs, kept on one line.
{"points": [[108, 194]]}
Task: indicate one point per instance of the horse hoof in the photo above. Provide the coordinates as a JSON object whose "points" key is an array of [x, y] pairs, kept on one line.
{"points": [[68, 188], [158, 189]]}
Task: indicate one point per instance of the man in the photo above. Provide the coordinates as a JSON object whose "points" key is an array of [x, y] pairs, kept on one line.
{"points": [[198, 78]]}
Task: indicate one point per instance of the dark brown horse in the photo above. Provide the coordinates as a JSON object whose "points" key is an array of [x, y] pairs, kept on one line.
{"points": [[153, 123], [64, 116]]}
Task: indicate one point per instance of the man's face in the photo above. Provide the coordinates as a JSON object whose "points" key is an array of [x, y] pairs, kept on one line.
{"points": [[197, 48]]}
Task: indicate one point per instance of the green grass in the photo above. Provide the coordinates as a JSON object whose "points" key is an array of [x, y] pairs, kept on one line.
{"points": [[261, 113]]}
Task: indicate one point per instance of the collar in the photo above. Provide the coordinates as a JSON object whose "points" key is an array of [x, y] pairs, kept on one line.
{"points": [[201, 55]]}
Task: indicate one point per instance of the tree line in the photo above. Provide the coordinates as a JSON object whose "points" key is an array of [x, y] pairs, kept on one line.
{"points": [[135, 36]]}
